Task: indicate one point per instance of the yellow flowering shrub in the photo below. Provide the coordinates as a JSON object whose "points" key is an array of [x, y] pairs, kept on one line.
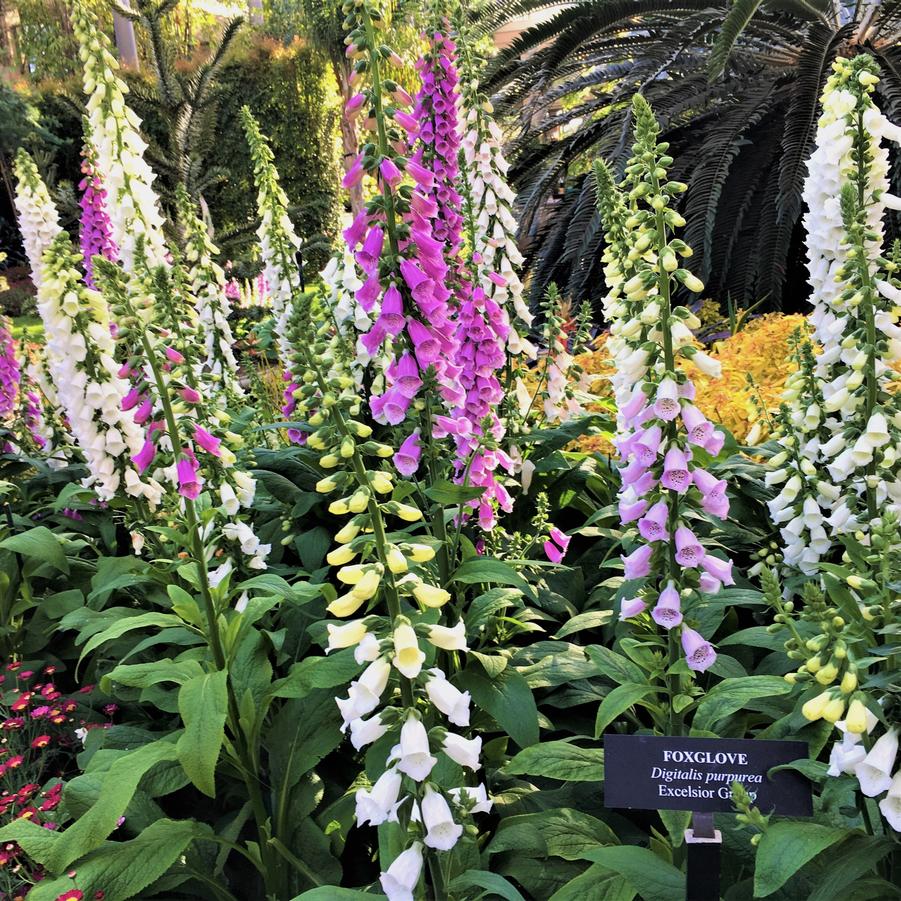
{"points": [[759, 351]]}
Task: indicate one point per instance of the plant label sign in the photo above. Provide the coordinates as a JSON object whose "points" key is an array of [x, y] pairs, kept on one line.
{"points": [[651, 772]]}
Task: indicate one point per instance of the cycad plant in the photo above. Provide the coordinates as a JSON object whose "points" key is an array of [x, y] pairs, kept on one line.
{"points": [[735, 86]]}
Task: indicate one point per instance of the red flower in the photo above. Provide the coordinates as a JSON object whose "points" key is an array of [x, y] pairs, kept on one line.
{"points": [[38, 712], [22, 702], [28, 813], [12, 667], [14, 722], [110, 709], [73, 894], [13, 762], [85, 689], [50, 670], [41, 741], [26, 674]]}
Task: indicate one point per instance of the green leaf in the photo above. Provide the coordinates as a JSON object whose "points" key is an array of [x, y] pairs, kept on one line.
{"points": [[649, 875], [857, 856], [270, 583], [332, 893], [35, 841], [508, 699], [592, 619], [39, 543], [493, 883], [737, 18], [559, 760], [317, 672], [597, 883], [445, 492], [494, 572], [618, 702], [735, 694], [203, 705], [129, 624], [117, 790], [122, 870], [785, 847], [143, 675], [614, 666], [560, 832]]}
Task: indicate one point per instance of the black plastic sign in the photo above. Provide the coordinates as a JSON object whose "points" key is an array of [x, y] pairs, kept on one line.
{"points": [[651, 772]]}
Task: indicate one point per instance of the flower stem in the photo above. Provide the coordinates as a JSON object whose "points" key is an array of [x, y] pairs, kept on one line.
{"points": [[673, 681]]}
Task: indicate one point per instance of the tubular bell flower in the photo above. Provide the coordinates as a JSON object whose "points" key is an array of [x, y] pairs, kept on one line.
{"points": [[657, 424], [840, 413], [80, 350], [118, 148], [95, 229]]}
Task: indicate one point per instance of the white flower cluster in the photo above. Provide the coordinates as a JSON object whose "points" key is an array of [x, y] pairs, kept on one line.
{"points": [[132, 204], [206, 280], [491, 199], [413, 756], [79, 348], [872, 768], [840, 463], [341, 278], [278, 240]]}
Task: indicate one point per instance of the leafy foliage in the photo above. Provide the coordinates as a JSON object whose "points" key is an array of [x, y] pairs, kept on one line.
{"points": [[736, 86]]}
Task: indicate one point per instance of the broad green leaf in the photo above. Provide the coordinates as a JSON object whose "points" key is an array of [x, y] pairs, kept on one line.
{"points": [[653, 878], [592, 619], [203, 705], [559, 760], [493, 883], [856, 857], [38, 543], [508, 699], [317, 672], [676, 822], [560, 832], [734, 694], [444, 492], [614, 666], [270, 583], [36, 841], [491, 572], [334, 893], [119, 785], [142, 675], [129, 624], [618, 702], [785, 847], [122, 870], [597, 883]]}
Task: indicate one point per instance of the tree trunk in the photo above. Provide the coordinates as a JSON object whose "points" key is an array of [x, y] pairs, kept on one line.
{"points": [[124, 31]]}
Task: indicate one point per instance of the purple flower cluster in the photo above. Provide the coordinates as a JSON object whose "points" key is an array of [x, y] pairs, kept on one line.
{"points": [[33, 415], [661, 485], [482, 332], [438, 147], [414, 301], [10, 374], [96, 231]]}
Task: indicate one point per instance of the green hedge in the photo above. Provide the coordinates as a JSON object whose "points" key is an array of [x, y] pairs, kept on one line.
{"points": [[290, 92]]}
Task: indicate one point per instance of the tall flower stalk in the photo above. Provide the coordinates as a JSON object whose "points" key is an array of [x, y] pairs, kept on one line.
{"points": [[131, 203], [95, 230], [206, 281], [659, 430], [80, 349], [847, 420]]}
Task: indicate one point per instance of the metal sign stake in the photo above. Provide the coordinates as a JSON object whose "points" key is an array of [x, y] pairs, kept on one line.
{"points": [[703, 843]]}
